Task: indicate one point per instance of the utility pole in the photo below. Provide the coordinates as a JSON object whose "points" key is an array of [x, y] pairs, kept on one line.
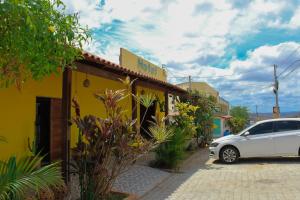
{"points": [[190, 84], [276, 111], [256, 108]]}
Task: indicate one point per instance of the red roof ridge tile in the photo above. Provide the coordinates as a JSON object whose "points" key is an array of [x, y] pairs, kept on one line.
{"points": [[97, 59]]}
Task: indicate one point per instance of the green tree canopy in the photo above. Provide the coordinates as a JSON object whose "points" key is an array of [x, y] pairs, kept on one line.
{"points": [[36, 38], [240, 117], [204, 115], [240, 112]]}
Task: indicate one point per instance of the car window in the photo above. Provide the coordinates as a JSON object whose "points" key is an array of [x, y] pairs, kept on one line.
{"points": [[287, 125], [266, 127]]}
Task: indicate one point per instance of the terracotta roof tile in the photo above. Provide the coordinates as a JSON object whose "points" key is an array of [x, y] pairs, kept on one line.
{"points": [[96, 59]]}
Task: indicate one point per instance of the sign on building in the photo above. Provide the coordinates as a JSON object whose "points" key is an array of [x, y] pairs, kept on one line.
{"points": [[138, 64]]}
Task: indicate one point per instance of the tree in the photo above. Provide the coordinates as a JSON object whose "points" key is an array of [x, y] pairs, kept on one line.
{"points": [[37, 37], [236, 124], [240, 117], [204, 115], [240, 112]]}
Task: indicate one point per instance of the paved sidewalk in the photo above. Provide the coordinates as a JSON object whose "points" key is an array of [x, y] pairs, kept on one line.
{"points": [[137, 180], [250, 179], [140, 178]]}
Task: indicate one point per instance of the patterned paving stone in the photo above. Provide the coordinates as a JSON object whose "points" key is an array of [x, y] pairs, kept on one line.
{"points": [[250, 179], [139, 179]]}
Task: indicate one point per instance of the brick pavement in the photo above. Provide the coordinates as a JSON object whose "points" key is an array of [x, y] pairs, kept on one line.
{"points": [[250, 179], [139, 179]]}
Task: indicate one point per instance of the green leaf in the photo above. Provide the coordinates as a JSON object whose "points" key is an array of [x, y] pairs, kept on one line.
{"points": [[37, 37], [19, 177], [147, 99]]}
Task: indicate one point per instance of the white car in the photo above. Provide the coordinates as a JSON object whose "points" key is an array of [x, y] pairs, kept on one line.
{"points": [[275, 137]]}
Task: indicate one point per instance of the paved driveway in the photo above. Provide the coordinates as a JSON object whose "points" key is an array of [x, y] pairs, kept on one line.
{"points": [[204, 178]]}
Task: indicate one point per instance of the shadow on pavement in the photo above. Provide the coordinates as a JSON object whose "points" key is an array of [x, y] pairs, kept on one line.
{"points": [[197, 162], [264, 160]]}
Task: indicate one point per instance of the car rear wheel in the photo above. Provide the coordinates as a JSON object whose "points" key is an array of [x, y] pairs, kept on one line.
{"points": [[229, 155]]}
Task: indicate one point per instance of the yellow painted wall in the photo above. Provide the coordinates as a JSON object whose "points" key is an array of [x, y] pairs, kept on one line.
{"points": [[138, 64], [205, 88], [202, 87], [17, 108], [88, 103]]}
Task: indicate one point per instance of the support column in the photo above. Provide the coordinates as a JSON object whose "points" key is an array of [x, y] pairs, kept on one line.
{"points": [[133, 101], [66, 125], [167, 107], [166, 103]]}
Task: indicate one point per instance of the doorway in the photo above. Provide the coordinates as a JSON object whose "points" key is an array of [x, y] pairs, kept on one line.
{"points": [[146, 117], [42, 124], [49, 135]]}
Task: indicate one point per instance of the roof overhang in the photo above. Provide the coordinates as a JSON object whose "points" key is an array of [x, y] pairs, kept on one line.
{"points": [[119, 71]]}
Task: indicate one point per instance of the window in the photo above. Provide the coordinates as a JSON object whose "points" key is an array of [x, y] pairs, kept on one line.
{"points": [[287, 125], [262, 128]]}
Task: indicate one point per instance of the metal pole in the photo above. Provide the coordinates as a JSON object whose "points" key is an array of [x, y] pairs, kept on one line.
{"points": [[256, 108], [190, 84], [277, 114]]}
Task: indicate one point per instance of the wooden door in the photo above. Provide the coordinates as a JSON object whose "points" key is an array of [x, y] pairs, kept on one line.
{"points": [[56, 135]]}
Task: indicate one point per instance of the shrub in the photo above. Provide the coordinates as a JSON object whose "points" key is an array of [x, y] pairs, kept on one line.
{"points": [[169, 154], [204, 115], [107, 146]]}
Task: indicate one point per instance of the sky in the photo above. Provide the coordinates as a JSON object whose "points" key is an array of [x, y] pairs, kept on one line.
{"points": [[231, 44]]}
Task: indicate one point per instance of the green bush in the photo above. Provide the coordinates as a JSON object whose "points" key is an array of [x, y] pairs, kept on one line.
{"points": [[170, 153]]}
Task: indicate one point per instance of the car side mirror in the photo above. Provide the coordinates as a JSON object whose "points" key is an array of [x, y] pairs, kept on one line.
{"points": [[246, 133]]}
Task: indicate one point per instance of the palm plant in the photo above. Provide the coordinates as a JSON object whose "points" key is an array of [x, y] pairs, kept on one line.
{"points": [[159, 130], [18, 177]]}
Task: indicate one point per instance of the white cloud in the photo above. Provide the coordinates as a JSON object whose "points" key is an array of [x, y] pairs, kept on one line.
{"points": [[88, 10], [181, 33], [253, 77], [295, 20], [249, 82], [189, 34]]}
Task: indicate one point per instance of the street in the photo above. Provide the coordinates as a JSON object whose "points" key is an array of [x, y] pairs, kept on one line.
{"points": [[255, 178]]}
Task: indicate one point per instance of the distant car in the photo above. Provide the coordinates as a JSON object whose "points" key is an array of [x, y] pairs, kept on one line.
{"points": [[275, 137]]}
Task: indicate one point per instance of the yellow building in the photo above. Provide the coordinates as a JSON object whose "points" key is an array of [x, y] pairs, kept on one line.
{"points": [[201, 87], [41, 111], [222, 105], [139, 64]]}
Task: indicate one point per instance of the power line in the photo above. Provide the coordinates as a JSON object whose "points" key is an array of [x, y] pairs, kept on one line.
{"points": [[262, 67], [295, 61], [290, 72], [200, 76], [169, 71], [290, 55]]}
